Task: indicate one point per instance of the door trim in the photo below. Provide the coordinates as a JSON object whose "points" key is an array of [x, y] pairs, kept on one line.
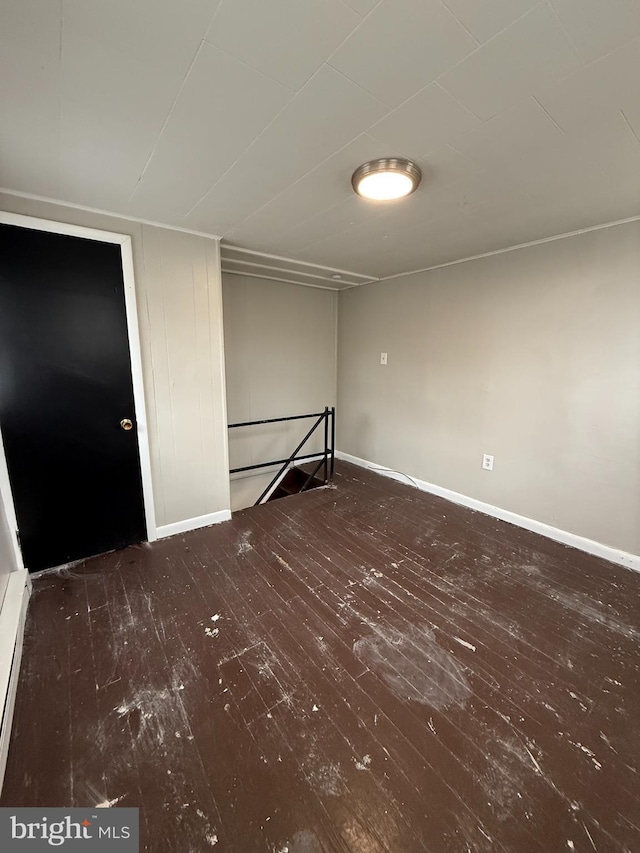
{"points": [[133, 334], [13, 615]]}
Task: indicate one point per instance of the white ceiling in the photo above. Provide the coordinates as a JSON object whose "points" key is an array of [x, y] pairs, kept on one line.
{"points": [[246, 118]]}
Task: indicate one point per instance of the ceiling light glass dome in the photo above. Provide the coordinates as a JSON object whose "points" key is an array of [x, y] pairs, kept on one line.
{"points": [[386, 179]]}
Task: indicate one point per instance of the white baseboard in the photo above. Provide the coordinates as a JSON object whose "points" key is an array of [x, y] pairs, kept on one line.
{"points": [[631, 561], [13, 616], [193, 523]]}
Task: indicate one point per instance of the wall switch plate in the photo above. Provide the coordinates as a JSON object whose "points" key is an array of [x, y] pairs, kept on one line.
{"points": [[487, 462], [383, 358]]}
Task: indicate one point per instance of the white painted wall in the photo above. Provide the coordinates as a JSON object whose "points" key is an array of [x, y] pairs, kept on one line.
{"points": [[532, 356], [280, 360], [7, 555], [179, 301]]}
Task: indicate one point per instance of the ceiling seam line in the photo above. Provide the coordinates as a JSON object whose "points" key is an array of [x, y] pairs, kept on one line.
{"points": [[354, 30], [548, 115], [301, 178], [444, 5], [566, 33], [630, 127], [251, 67], [172, 108], [249, 147]]}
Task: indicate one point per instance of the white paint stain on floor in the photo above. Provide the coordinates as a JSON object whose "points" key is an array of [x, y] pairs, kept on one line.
{"points": [[107, 804], [302, 842], [364, 763], [464, 643], [414, 667], [245, 544]]}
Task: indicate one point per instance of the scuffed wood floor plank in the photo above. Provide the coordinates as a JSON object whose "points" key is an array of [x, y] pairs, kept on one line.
{"points": [[360, 669]]}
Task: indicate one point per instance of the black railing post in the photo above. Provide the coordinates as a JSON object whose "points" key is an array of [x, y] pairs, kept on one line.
{"points": [[326, 445], [333, 441]]}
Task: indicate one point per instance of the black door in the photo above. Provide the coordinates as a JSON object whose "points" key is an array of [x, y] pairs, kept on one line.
{"points": [[65, 396]]}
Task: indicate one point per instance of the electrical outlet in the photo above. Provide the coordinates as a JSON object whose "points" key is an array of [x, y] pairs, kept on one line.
{"points": [[487, 462], [383, 358]]}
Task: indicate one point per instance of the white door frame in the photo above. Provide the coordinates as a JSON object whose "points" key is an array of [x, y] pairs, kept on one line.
{"points": [[133, 334]]}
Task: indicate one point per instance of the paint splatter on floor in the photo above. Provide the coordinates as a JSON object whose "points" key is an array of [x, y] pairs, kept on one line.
{"points": [[414, 666]]}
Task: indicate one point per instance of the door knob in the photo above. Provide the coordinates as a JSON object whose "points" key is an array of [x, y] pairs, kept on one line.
{"points": [[126, 423]]}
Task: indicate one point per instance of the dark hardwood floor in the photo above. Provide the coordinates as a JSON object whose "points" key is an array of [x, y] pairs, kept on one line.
{"points": [[363, 668]]}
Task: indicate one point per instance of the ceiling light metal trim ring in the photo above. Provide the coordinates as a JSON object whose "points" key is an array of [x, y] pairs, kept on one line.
{"points": [[398, 165]]}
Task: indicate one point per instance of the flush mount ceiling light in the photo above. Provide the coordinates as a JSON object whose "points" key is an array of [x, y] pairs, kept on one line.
{"points": [[386, 179]]}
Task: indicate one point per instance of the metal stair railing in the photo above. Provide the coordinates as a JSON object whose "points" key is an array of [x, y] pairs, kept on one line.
{"points": [[328, 418]]}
